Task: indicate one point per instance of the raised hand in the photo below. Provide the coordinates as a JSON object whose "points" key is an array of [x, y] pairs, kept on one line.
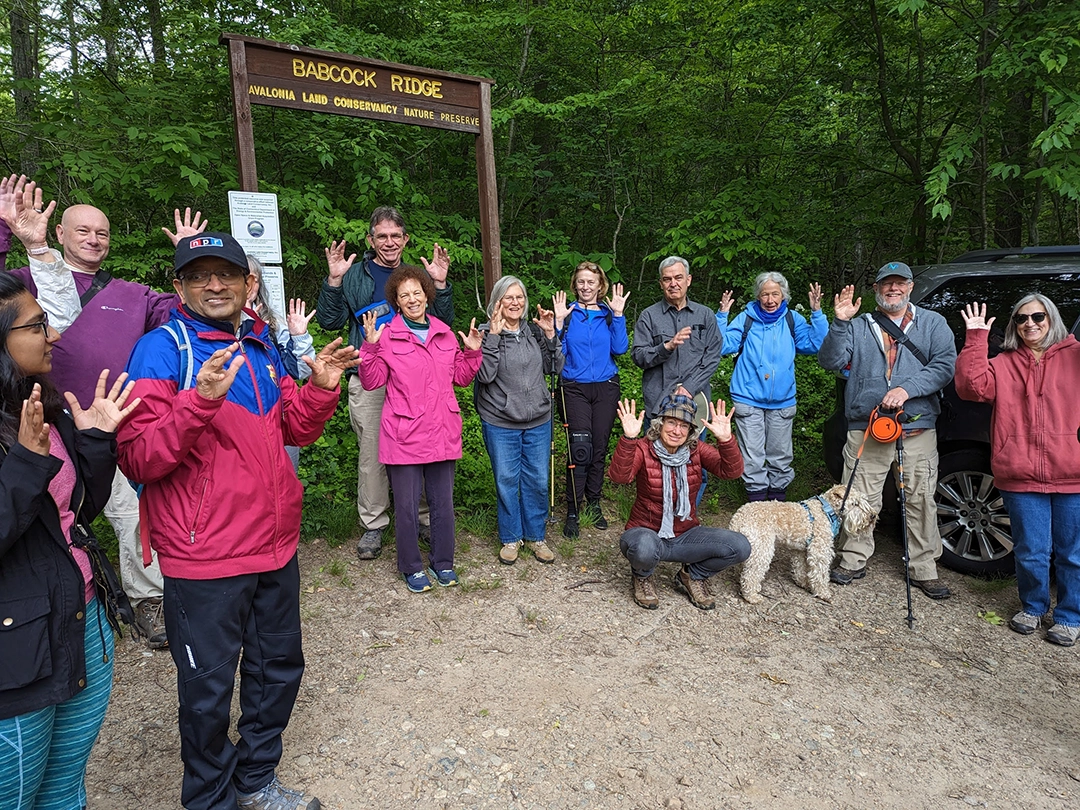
{"points": [[186, 226], [617, 301], [719, 423], [297, 319], [843, 307], [497, 322], [336, 262], [107, 411], [975, 317], [545, 319], [726, 300], [439, 266], [371, 334], [33, 430], [23, 209], [473, 338], [562, 312], [216, 375], [680, 338], [629, 418], [815, 296], [331, 363]]}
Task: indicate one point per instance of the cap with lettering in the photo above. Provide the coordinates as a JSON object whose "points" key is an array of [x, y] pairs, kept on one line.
{"points": [[219, 245], [893, 269]]}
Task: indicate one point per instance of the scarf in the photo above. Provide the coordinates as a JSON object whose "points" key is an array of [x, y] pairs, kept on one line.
{"points": [[678, 461], [769, 317]]}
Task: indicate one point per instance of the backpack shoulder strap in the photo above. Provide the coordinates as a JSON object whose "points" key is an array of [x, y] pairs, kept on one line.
{"points": [[742, 342], [179, 334], [101, 278], [898, 335], [790, 318]]}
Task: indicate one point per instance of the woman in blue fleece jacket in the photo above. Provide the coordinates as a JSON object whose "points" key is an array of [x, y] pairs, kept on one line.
{"points": [[763, 383], [593, 333]]}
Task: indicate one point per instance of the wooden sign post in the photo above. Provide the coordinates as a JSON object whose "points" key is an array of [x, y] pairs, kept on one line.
{"points": [[281, 75]]}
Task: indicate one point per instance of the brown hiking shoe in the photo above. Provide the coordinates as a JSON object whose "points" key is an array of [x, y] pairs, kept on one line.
{"points": [[697, 590], [645, 592], [150, 623], [541, 551]]}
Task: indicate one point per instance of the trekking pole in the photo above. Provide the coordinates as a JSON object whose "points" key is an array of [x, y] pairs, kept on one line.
{"points": [[551, 473], [570, 465], [903, 525]]}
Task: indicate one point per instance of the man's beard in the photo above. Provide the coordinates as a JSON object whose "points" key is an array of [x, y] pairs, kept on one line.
{"points": [[891, 309]]}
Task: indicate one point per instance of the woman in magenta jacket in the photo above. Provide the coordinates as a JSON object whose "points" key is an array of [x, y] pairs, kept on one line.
{"points": [[419, 361], [1034, 451]]}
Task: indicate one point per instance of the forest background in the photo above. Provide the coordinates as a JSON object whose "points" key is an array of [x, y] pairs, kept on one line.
{"points": [[815, 138]]}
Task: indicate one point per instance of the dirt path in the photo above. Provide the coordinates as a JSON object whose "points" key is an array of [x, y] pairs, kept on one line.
{"points": [[546, 687]]}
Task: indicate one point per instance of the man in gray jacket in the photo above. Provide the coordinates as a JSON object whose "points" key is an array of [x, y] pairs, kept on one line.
{"points": [[906, 375], [676, 342]]}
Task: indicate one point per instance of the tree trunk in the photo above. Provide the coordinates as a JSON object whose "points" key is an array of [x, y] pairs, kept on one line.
{"points": [[157, 35], [109, 26], [24, 70]]}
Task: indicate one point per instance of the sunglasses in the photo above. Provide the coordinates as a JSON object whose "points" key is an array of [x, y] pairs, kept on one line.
{"points": [[1020, 318]]}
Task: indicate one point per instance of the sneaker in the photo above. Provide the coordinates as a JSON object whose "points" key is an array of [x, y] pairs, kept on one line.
{"points": [[1024, 623], [541, 551], [370, 544], [644, 591], [445, 578], [697, 590], [508, 554], [845, 576], [276, 796], [934, 588], [1062, 635], [570, 527], [599, 521], [418, 582], [150, 623]]}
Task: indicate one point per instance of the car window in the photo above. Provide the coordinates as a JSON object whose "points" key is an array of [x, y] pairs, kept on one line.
{"points": [[1000, 294]]}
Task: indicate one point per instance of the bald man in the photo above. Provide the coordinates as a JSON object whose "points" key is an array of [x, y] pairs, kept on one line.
{"points": [[100, 318]]}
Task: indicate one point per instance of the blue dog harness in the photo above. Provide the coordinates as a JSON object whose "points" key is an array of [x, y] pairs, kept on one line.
{"points": [[830, 513]]}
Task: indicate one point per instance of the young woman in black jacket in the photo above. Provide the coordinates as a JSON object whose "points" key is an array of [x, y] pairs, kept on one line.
{"points": [[56, 643]]}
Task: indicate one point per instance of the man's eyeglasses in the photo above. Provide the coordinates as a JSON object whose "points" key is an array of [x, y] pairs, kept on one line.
{"points": [[383, 238], [43, 325], [1020, 318], [200, 278]]}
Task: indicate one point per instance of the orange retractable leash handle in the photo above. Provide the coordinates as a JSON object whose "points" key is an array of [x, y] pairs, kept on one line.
{"points": [[885, 428]]}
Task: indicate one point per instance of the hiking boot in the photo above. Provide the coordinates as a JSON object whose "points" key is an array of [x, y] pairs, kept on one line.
{"points": [[845, 576], [445, 578], [541, 551], [508, 554], [276, 796], [644, 591], [934, 588], [598, 519], [150, 623], [370, 544], [776, 494], [1024, 623], [418, 582], [570, 527], [1062, 635], [697, 590]]}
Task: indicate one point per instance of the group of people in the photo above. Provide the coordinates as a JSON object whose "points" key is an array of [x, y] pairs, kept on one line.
{"points": [[209, 410]]}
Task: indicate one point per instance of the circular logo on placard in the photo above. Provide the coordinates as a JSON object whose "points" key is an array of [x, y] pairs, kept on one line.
{"points": [[256, 228]]}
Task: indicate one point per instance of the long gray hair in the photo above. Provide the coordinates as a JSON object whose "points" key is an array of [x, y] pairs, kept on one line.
{"points": [[764, 278], [1056, 333], [502, 286], [261, 304]]}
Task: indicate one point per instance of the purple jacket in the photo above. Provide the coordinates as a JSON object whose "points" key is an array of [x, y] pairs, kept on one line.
{"points": [[421, 420], [104, 333], [5, 244]]}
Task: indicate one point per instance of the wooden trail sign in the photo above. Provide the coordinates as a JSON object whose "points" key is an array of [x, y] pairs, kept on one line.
{"points": [[282, 75]]}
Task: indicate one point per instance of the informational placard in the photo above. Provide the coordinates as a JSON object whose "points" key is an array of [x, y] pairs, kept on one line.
{"points": [[273, 280], [255, 225]]}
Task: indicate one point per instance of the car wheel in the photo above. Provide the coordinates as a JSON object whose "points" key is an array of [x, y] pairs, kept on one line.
{"points": [[975, 529]]}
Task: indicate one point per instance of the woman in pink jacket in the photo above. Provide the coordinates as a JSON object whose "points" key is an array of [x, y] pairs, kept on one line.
{"points": [[1034, 451], [419, 361]]}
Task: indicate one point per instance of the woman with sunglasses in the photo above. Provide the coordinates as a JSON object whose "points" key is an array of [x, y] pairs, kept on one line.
{"points": [[56, 643], [1034, 451]]}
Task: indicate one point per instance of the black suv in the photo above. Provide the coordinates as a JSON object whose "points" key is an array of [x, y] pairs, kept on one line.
{"points": [[974, 525]]}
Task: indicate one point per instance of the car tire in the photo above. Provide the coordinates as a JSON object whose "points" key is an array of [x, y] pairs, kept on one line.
{"points": [[976, 532]]}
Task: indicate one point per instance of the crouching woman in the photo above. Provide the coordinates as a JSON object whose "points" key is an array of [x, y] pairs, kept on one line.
{"points": [[667, 468]]}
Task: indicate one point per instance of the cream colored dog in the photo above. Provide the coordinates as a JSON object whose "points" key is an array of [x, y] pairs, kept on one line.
{"points": [[805, 526]]}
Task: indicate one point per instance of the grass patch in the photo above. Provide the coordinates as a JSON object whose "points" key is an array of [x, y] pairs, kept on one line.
{"points": [[992, 585], [475, 585], [479, 522], [330, 521]]}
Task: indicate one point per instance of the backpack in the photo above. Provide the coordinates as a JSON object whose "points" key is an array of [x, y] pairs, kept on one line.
{"points": [[789, 317], [187, 356]]}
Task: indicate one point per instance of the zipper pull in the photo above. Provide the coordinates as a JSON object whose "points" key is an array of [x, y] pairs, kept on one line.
{"points": [[192, 537]]}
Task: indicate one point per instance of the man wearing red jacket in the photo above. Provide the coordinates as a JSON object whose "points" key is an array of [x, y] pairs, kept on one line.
{"points": [[221, 506]]}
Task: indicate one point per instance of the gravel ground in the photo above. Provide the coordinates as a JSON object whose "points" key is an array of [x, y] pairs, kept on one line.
{"points": [[539, 686]]}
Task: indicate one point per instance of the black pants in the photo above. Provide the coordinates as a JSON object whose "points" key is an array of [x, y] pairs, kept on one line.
{"points": [[591, 407], [208, 622]]}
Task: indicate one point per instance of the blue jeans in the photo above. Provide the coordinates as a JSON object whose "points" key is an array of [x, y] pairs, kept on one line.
{"points": [[1045, 523], [519, 459], [704, 550]]}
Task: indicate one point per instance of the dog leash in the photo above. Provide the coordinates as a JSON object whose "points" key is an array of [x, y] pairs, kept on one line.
{"points": [[855, 466]]}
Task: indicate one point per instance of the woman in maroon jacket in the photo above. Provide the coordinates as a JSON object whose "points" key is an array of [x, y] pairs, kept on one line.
{"points": [[1034, 451], [663, 526]]}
